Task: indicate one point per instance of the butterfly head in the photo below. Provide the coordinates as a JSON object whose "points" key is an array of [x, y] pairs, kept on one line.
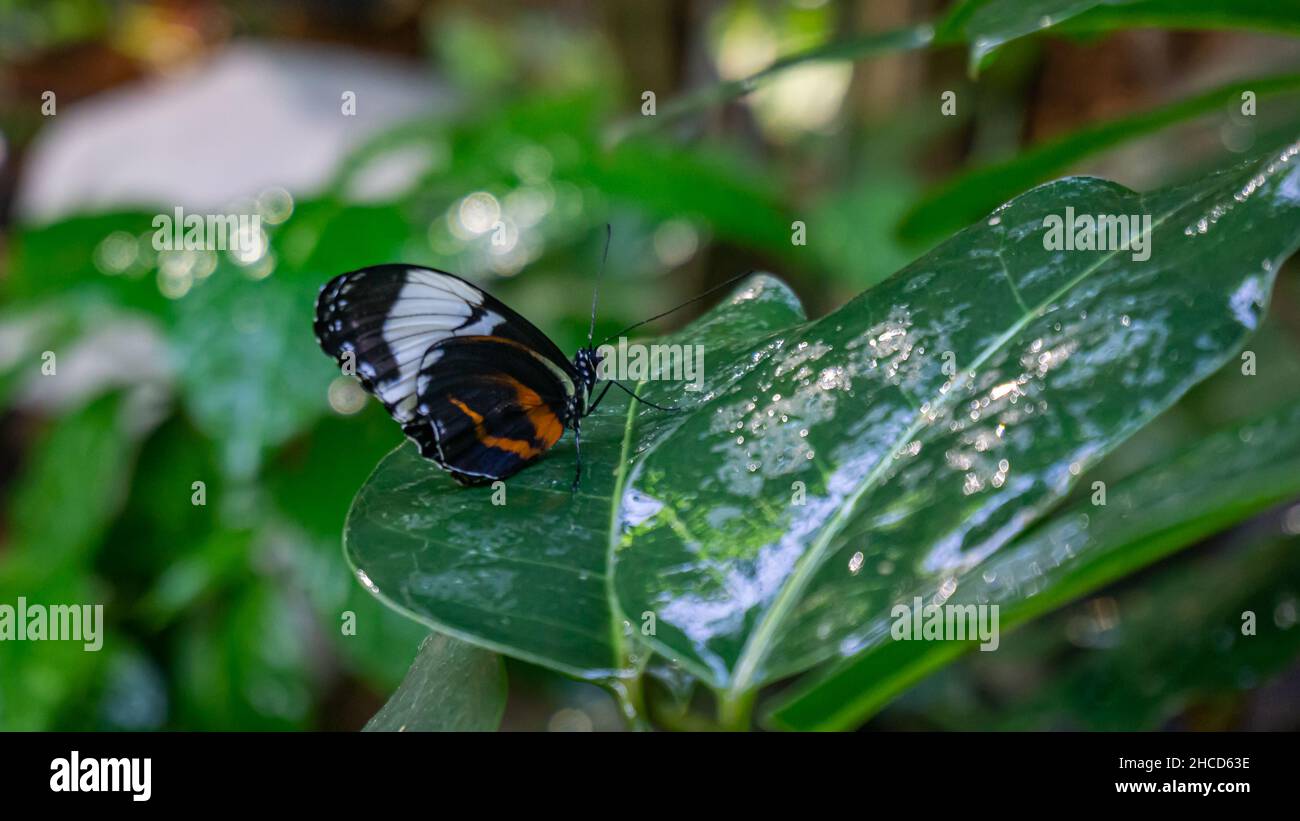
{"points": [[587, 363]]}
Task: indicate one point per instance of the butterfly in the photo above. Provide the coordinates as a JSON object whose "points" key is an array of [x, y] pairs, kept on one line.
{"points": [[475, 385]]}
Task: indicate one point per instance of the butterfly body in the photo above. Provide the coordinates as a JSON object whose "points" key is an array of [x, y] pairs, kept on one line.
{"points": [[476, 386]]}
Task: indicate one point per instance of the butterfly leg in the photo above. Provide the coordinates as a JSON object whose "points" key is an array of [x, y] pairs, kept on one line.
{"points": [[603, 391]]}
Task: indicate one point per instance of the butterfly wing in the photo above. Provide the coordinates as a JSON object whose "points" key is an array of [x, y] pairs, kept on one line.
{"points": [[488, 406], [387, 317]]}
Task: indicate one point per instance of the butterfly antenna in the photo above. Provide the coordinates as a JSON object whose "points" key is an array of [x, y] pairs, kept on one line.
{"points": [[717, 287], [595, 289]]}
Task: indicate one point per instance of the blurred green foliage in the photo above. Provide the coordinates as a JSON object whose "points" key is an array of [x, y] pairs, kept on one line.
{"points": [[228, 615]]}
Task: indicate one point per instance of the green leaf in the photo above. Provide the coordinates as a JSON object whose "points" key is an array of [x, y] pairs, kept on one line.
{"points": [[835, 466], [242, 661], [912, 475], [452, 686], [987, 25], [159, 525], [529, 578], [1198, 645], [970, 196], [1268, 16], [70, 491], [1138, 673], [203, 571], [1221, 480]]}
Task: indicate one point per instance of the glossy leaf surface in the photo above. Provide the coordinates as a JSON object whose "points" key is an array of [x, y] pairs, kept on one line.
{"points": [[1171, 505], [452, 686]]}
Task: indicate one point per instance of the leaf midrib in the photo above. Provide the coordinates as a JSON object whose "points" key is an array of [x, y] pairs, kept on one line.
{"points": [[616, 617], [761, 640]]}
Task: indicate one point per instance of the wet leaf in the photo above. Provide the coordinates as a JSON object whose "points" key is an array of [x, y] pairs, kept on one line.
{"points": [[913, 475], [1221, 480], [831, 468], [452, 686]]}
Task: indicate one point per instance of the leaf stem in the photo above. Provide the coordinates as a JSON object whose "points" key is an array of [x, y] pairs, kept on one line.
{"points": [[678, 718], [630, 695], [735, 710]]}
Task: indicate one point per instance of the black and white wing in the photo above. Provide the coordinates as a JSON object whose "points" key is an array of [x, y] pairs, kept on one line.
{"points": [[385, 318]]}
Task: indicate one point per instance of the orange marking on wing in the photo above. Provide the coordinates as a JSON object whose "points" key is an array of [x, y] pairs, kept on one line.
{"points": [[519, 447], [546, 425]]}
